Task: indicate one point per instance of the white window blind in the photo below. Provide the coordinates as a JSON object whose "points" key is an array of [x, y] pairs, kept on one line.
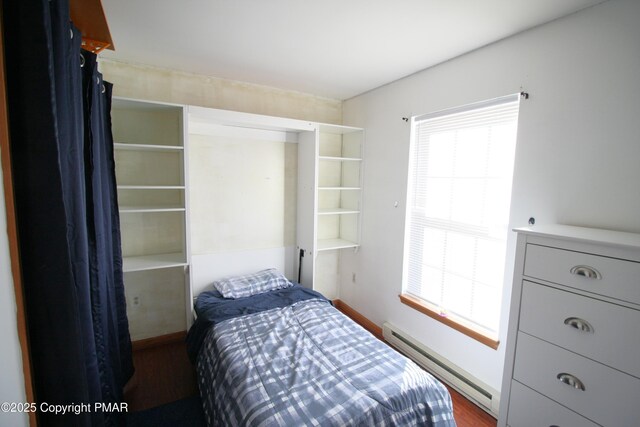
{"points": [[459, 196]]}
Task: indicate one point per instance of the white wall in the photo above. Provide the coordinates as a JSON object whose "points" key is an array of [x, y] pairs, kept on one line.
{"points": [[576, 161], [11, 378]]}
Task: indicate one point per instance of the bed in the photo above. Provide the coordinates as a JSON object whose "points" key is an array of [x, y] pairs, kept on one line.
{"points": [[287, 357]]}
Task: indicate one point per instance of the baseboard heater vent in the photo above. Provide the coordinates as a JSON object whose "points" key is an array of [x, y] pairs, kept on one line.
{"points": [[454, 376]]}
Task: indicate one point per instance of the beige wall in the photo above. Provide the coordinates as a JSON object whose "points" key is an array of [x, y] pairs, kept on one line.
{"points": [[156, 84]]}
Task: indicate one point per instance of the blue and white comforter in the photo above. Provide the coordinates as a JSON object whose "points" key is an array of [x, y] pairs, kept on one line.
{"points": [[308, 364]]}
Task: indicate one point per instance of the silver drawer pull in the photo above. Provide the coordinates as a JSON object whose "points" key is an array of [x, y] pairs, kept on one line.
{"points": [[571, 380], [586, 271], [579, 324]]}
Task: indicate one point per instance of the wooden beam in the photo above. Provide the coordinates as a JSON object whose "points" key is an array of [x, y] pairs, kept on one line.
{"points": [[89, 17]]}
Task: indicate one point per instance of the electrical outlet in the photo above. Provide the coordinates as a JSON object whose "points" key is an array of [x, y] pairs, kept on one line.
{"points": [[136, 300]]}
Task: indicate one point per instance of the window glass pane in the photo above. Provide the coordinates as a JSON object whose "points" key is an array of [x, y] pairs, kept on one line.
{"points": [[441, 154], [466, 198], [460, 254], [432, 276], [457, 295], [434, 246], [436, 198], [471, 152]]}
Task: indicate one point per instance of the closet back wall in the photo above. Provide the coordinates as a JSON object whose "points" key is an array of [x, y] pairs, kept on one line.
{"points": [[242, 192]]}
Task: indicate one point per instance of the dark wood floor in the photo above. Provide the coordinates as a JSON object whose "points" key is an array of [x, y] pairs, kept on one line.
{"points": [[467, 414], [164, 374]]}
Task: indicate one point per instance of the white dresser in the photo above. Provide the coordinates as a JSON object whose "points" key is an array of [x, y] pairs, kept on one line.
{"points": [[573, 346]]}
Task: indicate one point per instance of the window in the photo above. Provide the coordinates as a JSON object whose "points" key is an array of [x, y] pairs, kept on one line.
{"points": [[459, 195]]}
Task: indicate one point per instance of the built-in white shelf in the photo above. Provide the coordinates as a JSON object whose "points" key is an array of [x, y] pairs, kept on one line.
{"points": [[150, 153], [153, 262], [340, 159], [337, 211], [339, 203], [137, 209], [149, 147], [338, 188], [331, 244]]}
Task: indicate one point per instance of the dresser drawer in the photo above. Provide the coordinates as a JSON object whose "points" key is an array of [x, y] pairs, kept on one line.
{"points": [[609, 397], [612, 331], [613, 277], [530, 409]]}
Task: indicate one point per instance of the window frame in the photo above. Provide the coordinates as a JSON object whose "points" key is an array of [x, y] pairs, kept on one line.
{"points": [[452, 320]]}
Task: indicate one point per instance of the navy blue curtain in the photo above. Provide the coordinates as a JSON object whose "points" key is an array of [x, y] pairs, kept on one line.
{"points": [[67, 213]]}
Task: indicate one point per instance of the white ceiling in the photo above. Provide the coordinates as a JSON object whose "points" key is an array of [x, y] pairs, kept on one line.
{"points": [[331, 48]]}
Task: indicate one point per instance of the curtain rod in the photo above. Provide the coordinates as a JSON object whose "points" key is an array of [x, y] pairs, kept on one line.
{"points": [[89, 17], [523, 95]]}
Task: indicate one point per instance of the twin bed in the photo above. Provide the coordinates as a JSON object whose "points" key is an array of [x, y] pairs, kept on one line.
{"points": [[272, 353]]}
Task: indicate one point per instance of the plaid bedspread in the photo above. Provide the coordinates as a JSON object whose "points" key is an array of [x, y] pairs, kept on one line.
{"points": [[308, 364]]}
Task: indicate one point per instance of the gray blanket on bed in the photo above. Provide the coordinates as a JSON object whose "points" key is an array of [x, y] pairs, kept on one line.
{"points": [[308, 364]]}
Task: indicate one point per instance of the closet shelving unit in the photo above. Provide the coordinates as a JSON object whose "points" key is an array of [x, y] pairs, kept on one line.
{"points": [[339, 187], [338, 206], [150, 156]]}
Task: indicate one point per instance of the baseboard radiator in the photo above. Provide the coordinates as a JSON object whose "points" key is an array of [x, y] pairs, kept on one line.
{"points": [[463, 382]]}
